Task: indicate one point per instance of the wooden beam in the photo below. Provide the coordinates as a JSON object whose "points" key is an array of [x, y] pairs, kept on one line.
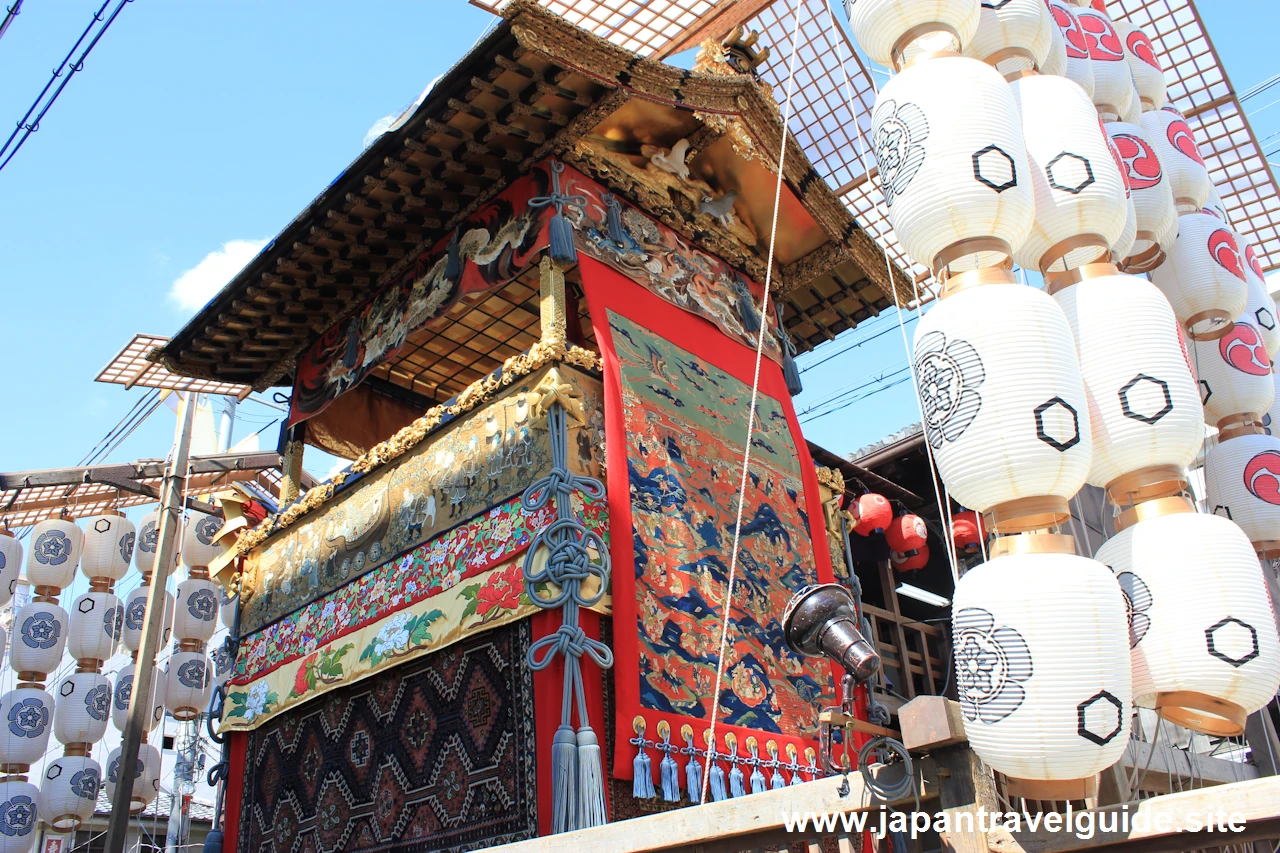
{"points": [[714, 25], [148, 469], [1166, 767]]}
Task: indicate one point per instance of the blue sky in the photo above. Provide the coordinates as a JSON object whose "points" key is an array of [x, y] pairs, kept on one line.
{"points": [[199, 127]]}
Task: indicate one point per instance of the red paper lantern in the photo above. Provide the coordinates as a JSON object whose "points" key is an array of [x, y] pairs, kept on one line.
{"points": [[967, 532], [906, 534], [874, 514], [903, 563]]}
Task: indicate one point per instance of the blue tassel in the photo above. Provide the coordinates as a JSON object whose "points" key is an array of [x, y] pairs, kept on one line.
{"points": [[562, 249], [564, 778], [590, 781], [670, 773], [737, 782], [613, 218], [718, 791], [791, 374], [758, 784], [747, 308], [777, 783], [642, 772], [453, 262], [693, 778]]}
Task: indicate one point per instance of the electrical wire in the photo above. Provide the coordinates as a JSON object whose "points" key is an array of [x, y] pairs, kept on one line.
{"points": [[855, 345], [26, 127], [10, 13]]}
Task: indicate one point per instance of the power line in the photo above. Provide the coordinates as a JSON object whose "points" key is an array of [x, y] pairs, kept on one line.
{"points": [[855, 345], [25, 127], [858, 399], [10, 13]]}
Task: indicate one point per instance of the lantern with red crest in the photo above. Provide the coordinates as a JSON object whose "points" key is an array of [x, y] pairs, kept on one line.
{"points": [[1113, 89], [1152, 194], [967, 532], [1147, 73], [1203, 277], [914, 562], [906, 535], [1078, 68], [874, 513], [1176, 147]]}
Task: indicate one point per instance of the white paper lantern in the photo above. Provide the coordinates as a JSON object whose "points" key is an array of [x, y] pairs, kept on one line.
{"points": [[1056, 61], [147, 542], [1112, 80], [1079, 194], [19, 813], [69, 791], [1199, 623], [1215, 207], [10, 565], [1004, 404], [1014, 36], [1235, 375], [1143, 403], [1175, 144], [1132, 111], [39, 637], [227, 609], [146, 778], [108, 546], [135, 612], [26, 721], [1203, 277], [196, 610], [1242, 483], [1261, 307], [123, 696], [893, 32], [188, 684], [56, 546], [953, 165], [1271, 420], [97, 621], [1123, 246], [83, 708], [1147, 73], [1152, 197], [1079, 67], [200, 546], [1036, 708]]}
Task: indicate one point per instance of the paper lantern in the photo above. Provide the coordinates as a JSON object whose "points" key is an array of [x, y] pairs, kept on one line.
{"points": [[1112, 80], [912, 562], [1235, 376], [1004, 404], [874, 514], [1013, 36], [39, 637], [1152, 197], [1242, 483], [146, 777], [1180, 156], [10, 565], [200, 545], [906, 534], [188, 685], [1271, 420], [27, 717], [18, 815], [82, 709], [1080, 206], [147, 542], [1260, 310], [123, 696], [953, 165], [135, 612], [97, 621], [1204, 644], [1148, 76], [1079, 67], [69, 791], [1214, 205], [1036, 705], [1056, 61], [1123, 246], [227, 609], [108, 546], [1203, 277], [56, 545], [1144, 407], [196, 610], [967, 532], [895, 32]]}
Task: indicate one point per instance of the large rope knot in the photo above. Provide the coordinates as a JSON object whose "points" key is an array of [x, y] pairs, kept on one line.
{"points": [[570, 641]]}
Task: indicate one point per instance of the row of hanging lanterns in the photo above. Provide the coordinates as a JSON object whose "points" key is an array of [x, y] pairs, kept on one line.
{"points": [[984, 161]]}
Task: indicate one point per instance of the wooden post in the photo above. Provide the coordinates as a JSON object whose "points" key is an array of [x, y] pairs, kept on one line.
{"points": [[139, 719], [291, 464], [1260, 734], [552, 302]]}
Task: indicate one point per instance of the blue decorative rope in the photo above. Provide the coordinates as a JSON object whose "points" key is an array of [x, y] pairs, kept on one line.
{"points": [[577, 774], [560, 230]]}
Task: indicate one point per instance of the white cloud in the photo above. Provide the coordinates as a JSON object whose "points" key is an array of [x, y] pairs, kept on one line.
{"points": [[196, 286]]}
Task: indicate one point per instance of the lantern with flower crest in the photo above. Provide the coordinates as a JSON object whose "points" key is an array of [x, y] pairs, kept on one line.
{"points": [[188, 679]]}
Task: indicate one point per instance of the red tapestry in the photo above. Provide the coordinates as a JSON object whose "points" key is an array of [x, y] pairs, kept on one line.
{"points": [[676, 421]]}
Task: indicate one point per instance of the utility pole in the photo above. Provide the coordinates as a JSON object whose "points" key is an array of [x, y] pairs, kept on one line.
{"points": [[139, 720], [184, 771]]}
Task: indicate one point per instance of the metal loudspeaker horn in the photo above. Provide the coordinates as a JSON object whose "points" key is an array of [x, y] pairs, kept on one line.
{"points": [[822, 620]]}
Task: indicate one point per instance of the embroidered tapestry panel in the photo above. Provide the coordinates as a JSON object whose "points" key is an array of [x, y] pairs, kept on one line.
{"points": [[437, 754], [477, 463], [685, 422]]}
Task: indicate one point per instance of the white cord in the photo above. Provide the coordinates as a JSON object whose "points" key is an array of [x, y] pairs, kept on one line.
{"points": [[755, 388]]}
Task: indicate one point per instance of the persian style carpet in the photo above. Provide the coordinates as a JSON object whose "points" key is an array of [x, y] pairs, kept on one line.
{"points": [[676, 424], [436, 754]]}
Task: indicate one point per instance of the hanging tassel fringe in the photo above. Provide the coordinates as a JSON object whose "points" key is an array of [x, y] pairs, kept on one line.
{"points": [[777, 783], [670, 773], [718, 791], [737, 782], [562, 249], [693, 776], [747, 308], [613, 219], [590, 781], [564, 777], [791, 374], [758, 784], [642, 776]]}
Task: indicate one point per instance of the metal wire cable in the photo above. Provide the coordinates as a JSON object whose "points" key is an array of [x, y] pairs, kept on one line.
{"points": [[10, 13]]}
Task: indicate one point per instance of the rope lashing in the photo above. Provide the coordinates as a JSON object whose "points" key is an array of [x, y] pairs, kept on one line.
{"points": [[560, 229], [577, 773]]}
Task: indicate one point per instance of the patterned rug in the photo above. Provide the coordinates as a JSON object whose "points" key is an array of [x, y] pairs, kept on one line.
{"points": [[434, 755]]}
